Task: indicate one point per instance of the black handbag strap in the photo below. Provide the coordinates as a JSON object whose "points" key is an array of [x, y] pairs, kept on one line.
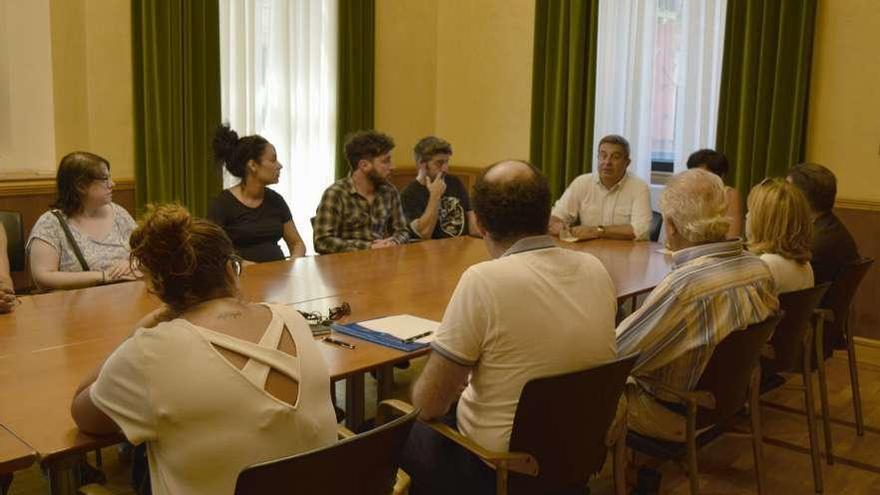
{"points": [[71, 241]]}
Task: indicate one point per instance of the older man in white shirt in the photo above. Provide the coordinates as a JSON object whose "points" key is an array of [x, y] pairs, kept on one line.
{"points": [[609, 203]]}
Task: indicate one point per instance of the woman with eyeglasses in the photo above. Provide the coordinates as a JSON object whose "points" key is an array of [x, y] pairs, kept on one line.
{"points": [[780, 231], [211, 382], [83, 240]]}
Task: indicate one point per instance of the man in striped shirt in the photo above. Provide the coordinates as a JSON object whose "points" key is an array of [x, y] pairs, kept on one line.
{"points": [[715, 288]]}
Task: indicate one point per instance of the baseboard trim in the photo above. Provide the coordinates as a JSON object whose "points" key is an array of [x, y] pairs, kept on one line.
{"points": [[857, 204]]}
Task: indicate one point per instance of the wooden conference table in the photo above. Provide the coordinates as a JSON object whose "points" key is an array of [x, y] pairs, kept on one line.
{"points": [[52, 340]]}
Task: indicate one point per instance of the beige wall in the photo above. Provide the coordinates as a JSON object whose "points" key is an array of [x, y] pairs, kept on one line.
{"points": [[91, 54], [27, 144], [844, 112], [406, 72], [457, 68]]}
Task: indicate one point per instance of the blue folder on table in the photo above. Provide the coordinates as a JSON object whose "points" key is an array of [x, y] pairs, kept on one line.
{"points": [[381, 338]]}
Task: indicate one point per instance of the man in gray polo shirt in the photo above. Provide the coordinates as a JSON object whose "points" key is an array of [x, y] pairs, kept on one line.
{"points": [[517, 317]]}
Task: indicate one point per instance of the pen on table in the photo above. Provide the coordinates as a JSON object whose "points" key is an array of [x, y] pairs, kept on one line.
{"points": [[417, 337], [340, 343]]}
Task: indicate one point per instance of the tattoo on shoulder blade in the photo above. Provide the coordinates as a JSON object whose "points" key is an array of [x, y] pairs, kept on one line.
{"points": [[229, 315]]}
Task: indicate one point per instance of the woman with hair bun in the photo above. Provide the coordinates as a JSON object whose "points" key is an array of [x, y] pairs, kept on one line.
{"points": [[210, 382], [253, 216], [83, 240]]}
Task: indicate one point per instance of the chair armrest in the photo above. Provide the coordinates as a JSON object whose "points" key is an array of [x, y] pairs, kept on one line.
{"points": [[701, 398], [93, 489], [519, 462], [401, 483], [342, 432], [825, 314]]}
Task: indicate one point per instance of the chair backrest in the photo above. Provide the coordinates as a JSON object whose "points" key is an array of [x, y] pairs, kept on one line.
{"points": [[729, 371], [14, 239], [562, 421], [363, 464], [788, 338], [839, 298], [656, 223]]}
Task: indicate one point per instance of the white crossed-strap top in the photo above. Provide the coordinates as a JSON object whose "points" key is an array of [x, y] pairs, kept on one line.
{"points": [[203, 418]]}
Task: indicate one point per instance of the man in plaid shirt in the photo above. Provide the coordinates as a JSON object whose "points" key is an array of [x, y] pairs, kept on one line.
{"points": [[362, 211]]}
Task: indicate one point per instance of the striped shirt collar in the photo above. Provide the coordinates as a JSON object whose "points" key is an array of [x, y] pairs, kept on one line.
{"points": [[724, 248], [530, 244]]}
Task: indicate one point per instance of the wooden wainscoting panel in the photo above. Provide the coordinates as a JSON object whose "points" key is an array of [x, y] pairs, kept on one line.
{"points": [[32, 198], [400, 177], [862, 218]]}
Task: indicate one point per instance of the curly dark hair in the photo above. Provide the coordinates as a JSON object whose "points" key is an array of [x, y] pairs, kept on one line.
{"points": [[818, 184], [429, 146], [715, 161], [235, 152], [183, 258], [75, 172], [513, 208], [366, 145]]}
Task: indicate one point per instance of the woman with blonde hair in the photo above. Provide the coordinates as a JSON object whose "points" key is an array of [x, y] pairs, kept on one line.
{"points": [[210, 382], [779, 230]]}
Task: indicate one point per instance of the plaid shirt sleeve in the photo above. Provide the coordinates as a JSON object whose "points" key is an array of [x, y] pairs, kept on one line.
{"points": [[328, 226], [399, 230]]}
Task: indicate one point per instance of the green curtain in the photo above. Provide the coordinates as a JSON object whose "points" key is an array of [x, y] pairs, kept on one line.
{"points": [[564, 89], [176, 58], [356, 70], [765, 80]]}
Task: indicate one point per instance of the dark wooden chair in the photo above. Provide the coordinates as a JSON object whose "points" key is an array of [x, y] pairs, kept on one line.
{"points": [[731, 378], [359, 464], [11, 221], [562, 430], [838, 333], [656, 224], [792, 350]]}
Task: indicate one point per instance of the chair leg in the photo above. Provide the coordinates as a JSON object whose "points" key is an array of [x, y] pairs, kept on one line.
{"points": [[757, 434], [691, 433], [501, 479], [823, 400], [620, 464], [810, 407], [854, 382]]}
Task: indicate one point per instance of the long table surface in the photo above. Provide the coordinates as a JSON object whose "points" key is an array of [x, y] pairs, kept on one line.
{"points": [[52, 340], [14, 454]]}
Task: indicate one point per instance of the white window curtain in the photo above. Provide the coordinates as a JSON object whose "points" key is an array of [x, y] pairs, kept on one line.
{"points": [[278, 79], [624, 77], [628, 47], [700, 77]]}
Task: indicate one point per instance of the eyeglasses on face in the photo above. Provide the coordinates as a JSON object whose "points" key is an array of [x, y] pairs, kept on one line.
{"points": [[105, 179], [236, 261]]}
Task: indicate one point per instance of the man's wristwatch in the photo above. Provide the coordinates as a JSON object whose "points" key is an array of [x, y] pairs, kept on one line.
{"points": [[600, 229]]}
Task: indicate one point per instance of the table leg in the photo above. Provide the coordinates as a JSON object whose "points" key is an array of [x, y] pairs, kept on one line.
{"points": [[5, 481], [384, 382], [63, 475], [354, 401]]}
